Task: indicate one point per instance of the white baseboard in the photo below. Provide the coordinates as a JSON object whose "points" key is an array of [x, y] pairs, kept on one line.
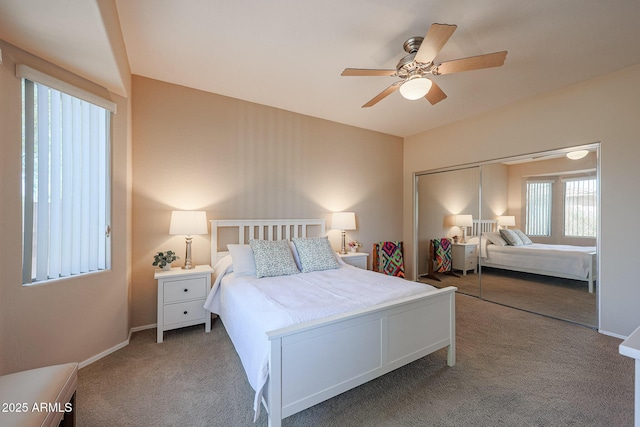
{"points": [[99, 356], [611, 334], [116, 347], [142, 328]]}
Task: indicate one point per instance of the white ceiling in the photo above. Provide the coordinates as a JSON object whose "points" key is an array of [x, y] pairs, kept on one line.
{"points": [[289, 54]]}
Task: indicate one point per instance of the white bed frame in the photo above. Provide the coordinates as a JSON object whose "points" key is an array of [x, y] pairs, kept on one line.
{"points": [[315, 361], [488, 225]]}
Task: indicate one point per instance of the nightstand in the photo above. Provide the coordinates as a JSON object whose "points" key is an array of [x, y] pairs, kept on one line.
{"points": [[464, 256], [357, 259], [181, 297]]}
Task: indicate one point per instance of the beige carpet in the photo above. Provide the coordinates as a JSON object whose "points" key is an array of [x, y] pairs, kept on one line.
{"points": [[551, 296], [514, 369]]}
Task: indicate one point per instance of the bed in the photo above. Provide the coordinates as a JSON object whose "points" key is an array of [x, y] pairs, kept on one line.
{"points": [[298, 354], [564, 261]]}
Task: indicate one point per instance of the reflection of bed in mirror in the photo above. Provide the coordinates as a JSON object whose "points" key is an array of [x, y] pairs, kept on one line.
{"points": [[564, 261]]}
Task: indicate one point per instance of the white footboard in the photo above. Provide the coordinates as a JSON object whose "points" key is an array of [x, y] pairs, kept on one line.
{"points": [[314, 361]]}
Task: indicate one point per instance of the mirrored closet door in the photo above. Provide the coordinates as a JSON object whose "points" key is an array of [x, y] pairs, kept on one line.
{"points": [[548, 200], [445, 200]]}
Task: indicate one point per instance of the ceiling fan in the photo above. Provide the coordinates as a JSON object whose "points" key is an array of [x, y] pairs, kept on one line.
{"points": [[414, 68]]}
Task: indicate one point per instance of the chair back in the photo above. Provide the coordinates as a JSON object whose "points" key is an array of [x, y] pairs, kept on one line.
{"points": [[442, 254]]}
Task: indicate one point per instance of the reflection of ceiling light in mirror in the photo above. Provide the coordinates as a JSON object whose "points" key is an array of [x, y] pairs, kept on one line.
{"points": [[415, 88], [575, 155]]}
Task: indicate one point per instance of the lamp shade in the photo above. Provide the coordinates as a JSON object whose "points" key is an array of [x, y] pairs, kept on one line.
{"points": [[507, 220], [415, 88], [463, 220], [188, 222], [343, 221]]}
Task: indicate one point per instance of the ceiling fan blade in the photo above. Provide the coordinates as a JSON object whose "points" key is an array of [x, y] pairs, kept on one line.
{"points": [[489, 60], [388, 91], [367, 72], [434, 41], [435, 94]]}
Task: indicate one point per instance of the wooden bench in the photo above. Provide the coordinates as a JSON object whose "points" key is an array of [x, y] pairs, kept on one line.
{"points": [[39, 397]]}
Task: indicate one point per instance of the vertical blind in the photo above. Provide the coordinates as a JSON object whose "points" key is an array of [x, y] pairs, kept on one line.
{"points": [[580, 207], [538, 208], [65, 184]]}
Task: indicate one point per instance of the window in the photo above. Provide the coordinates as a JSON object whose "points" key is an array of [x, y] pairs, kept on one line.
{"points": [[65, 175], [538, 208], [580, 202]]}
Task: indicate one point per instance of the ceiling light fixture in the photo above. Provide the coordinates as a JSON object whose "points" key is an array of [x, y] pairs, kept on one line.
{"points": [[576, 155], [415, 88]]}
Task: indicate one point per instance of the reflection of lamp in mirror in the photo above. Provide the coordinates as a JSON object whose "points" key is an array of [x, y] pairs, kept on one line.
{"points": [[343, 221], [188, 223], [506, 221], [463, 221]]}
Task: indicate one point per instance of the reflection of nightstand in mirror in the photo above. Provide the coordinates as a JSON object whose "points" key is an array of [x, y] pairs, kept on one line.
{"points": [[357, 259], [464, 256]]}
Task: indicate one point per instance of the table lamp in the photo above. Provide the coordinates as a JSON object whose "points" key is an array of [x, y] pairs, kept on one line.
{"points": [[463, 221], [188, 223], [506, 221], [343, 221]]}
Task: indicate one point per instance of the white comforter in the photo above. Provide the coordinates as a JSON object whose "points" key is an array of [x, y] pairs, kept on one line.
{"points": [[250, 307]]}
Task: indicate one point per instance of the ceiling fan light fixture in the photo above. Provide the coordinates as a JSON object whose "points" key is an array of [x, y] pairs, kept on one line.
{"points": [[576, 155], [415, 88]]}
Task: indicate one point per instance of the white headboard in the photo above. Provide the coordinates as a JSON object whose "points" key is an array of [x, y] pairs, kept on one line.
{"points": [[483, 226], [263, 229]]}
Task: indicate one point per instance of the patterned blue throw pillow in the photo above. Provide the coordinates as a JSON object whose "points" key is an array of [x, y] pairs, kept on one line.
{"points": [[273, 258], [525, 239], [315, 254], [511, 237]]}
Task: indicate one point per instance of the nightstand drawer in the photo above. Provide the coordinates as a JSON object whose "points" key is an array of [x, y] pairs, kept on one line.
{"points": [[184, 312], [470, 249], [185, 289], [470, 264]]}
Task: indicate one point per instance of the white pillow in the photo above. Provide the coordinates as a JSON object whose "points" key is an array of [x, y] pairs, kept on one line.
{"points": [[273, 258], [244, 263], [495, 238], [315, 254]]}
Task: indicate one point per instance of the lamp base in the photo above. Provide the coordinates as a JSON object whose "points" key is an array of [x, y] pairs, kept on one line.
{"points": [[187, 256], [343, 249]]}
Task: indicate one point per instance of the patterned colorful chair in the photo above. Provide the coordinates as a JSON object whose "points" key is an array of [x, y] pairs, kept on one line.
{"points": [[388, 258], [442, 254], [439, 258]]}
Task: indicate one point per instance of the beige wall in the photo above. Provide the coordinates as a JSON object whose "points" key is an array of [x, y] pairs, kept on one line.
{"points": [[71, 319], [235, 159], [606, 110]]}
